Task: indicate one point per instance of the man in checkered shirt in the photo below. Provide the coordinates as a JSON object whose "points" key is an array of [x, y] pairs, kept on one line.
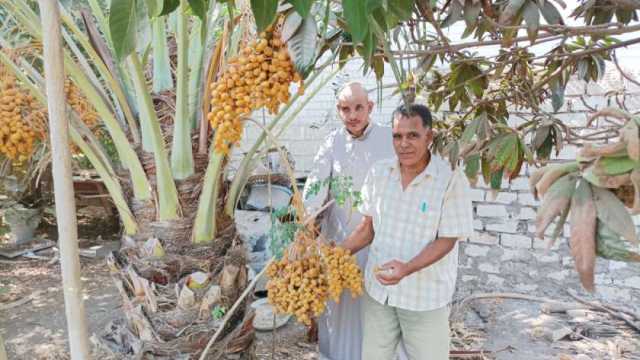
{"points": [[415, 208]]}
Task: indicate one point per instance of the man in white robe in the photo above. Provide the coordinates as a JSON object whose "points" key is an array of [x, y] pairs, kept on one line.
{"points": [[347, 152]]}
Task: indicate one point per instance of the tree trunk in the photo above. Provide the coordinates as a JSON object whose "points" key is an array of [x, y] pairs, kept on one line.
{"points": [[63, 185]]}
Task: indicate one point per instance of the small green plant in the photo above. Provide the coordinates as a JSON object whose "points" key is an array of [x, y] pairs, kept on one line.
{"points": [[218, 312], [340, 188], [282, 233]]}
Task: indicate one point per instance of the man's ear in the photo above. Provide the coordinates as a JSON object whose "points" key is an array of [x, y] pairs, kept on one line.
{"points": [[429, 136], [370, 105]]}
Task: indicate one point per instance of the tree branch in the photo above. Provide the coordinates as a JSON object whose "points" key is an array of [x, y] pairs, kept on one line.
{"points": [[591, 51], [625, 75], [560, 32]]}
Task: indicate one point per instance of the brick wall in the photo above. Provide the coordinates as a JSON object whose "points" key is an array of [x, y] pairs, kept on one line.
{"points": [[503, 255]]}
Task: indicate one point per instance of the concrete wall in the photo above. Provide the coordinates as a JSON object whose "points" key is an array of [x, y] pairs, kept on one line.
{"points": [[503, 255]]}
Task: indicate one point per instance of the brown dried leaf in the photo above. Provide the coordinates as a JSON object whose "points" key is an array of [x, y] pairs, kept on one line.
{"points": [[635, 180], [614, 214], [591, 152], [554, 172], [534, 178], [555, 202], [613, 182], [583, 221], [550, 241]]}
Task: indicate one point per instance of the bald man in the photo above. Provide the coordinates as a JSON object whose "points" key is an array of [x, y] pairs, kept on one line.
{"points": [[349, 151]]}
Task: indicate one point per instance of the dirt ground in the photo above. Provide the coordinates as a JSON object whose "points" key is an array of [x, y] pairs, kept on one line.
{"points": [[37, 329], [508, 329], [513, 329]]}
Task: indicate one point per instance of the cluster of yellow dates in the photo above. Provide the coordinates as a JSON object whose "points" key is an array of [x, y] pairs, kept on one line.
{"points": [[21, 120], [302, 286], [259, 76]]}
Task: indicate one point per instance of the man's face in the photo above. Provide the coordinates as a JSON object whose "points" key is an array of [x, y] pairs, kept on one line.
{"points": [[411, 140], [354, 111]]}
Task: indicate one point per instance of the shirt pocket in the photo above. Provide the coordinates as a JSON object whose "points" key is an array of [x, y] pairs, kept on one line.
{"points": [[428, 211]]}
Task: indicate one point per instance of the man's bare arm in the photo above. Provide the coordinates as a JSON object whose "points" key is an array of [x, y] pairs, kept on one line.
{"points": [[432, 253], [361, 236]]}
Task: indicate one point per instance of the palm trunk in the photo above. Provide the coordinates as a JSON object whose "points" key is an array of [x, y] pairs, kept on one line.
{"points": [[181, 150], [63, 184]]}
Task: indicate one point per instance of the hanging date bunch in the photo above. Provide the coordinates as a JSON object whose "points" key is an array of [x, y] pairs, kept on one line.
{"points": [[80, 105], [308, 275], [21, 119], [259, 76]]}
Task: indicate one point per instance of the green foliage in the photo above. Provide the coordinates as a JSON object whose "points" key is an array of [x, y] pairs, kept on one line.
{"points": [[108, 146], [303, 45], [218, 312], [264, 11], [340, 188], [302, 7], [169, 6], [597, 12], [282, 234], [355, 14], [199, 7], [123, 26], [154, 7]]}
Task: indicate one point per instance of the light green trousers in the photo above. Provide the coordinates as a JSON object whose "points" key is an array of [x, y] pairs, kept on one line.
{"points": [[425, 333]]}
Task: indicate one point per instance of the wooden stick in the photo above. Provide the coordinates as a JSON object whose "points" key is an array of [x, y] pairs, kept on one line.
{"points": [[309, 219], [509, 296], [63, 183], [618, 315]]}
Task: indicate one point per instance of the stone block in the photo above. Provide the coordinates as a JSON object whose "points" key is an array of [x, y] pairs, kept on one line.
{"points": [[515, 241], [484, 238], [631, 282], [506, 197], [552, 257], [526, 198], [492, 210], [476, 250], [559, 275], [541, 244], [509, 226], [467, 264], [478, 224], [495, 280], [466, 278], [526, 213], [489, 268], [512, 255]]}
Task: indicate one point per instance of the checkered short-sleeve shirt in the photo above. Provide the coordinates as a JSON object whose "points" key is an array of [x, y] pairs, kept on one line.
{"points": [[436, 203]]}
